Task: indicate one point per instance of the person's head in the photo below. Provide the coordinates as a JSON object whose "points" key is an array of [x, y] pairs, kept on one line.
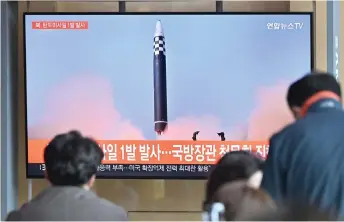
{"points": [[301, 91], [72, 160], [238, 165], [241, 201]]}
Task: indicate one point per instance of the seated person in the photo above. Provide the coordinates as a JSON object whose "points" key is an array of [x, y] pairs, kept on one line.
{"points": [[71, 162], [238, 165]]}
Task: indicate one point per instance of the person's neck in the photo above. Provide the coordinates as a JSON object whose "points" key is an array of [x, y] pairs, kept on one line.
{"points": [[313, 100], [86, 187]]}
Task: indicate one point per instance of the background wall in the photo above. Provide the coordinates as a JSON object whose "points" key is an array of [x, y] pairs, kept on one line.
{"points": [[157, 199], [8, 99]]}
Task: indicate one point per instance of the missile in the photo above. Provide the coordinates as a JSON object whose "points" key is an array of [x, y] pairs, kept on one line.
{"points": [[159, 75]]}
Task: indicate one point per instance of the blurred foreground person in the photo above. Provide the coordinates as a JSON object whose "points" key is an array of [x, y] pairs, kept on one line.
{"points": [[305, 160], [293, 212], [238, 201], [71, 162], [238, 165]]}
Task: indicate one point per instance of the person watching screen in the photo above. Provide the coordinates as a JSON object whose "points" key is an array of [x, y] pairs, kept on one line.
{"points": [[305, 160], [237, 165], [239, 201], [71, 162]]}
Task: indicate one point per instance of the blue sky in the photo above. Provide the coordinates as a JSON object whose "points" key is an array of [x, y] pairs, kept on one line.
{"points": [[211, 59]]}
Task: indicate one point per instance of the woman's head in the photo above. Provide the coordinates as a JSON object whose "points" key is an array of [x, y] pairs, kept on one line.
{"points": [[239, 165], [241, 201]]}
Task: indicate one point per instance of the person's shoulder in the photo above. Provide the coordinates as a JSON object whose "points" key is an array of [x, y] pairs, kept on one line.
{"points": [[286, 139], [109, 204], [292, 130], [13, 216], [309, 124], [117, 211], [284, 132], [17, 214]]}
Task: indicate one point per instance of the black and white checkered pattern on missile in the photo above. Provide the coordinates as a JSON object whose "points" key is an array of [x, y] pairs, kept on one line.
{"points": [[159, 45]]}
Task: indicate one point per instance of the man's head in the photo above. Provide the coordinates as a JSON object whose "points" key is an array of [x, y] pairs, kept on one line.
{"points": [[311, 84], [72, 160]]}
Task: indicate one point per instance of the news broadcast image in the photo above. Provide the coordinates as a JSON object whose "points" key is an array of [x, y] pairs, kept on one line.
{"points": [[164, 95]]}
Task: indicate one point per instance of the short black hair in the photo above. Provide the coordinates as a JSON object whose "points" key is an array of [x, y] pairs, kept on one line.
{"points": [[312, 83], [71, 159], [237, 165]]}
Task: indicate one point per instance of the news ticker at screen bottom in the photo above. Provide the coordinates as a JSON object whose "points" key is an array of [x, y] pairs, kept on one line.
{"points": [[138, 170]]}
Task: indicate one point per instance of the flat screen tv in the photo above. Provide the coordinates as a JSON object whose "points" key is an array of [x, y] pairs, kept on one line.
{"points": [[164, 94]]}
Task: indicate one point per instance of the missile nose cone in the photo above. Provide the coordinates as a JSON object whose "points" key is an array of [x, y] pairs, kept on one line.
{"points": [[158, 29]]}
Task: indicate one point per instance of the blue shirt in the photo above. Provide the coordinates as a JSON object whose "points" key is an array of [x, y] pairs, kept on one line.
{"points": [[306, 159]]}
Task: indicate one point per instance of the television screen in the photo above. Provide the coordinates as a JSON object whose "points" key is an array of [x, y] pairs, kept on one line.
{"points": [[164, 94]]}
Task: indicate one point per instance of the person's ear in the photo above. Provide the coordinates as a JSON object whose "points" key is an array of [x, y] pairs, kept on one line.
{"points": [[46, 176], [91, 181]]}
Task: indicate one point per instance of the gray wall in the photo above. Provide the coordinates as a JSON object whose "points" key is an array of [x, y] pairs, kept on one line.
{"points": [[9, 73]]}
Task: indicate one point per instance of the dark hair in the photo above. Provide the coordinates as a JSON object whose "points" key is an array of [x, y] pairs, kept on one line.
{"points": [[302, 89], [238, 165], [71, 159], [241, 201]]}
